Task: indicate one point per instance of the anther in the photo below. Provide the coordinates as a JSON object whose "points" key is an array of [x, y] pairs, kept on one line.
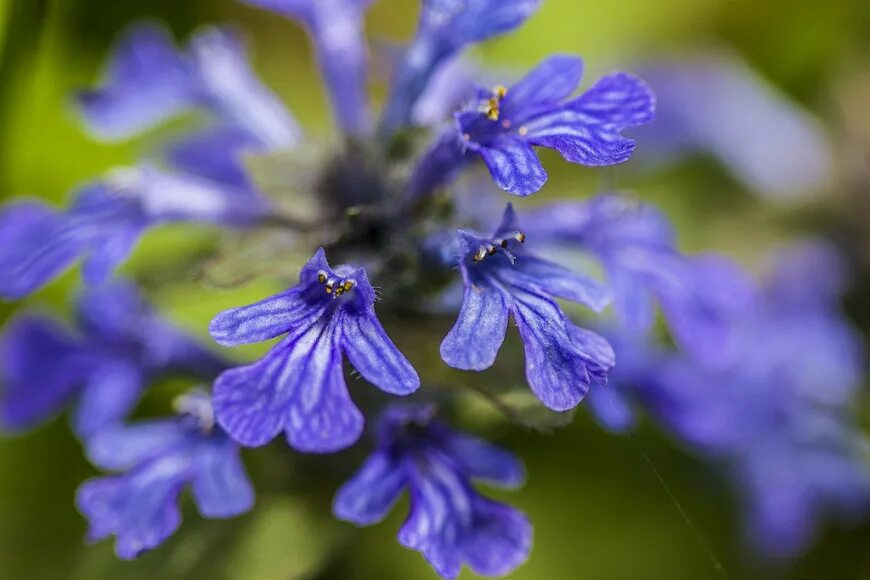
{"points": [[322, 277]]}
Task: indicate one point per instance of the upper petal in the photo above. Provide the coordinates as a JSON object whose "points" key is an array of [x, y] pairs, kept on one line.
{"points": [[373, 354], [477, 335], [550, 82], [266, 319], [555, 280]]}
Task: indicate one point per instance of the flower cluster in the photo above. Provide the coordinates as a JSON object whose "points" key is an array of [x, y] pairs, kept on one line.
{"points": [[392, 218]]}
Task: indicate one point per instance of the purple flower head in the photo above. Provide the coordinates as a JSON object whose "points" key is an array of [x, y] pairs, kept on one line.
{"points": [[149, 81], [449, 522], [509, 122], [156, 461], [299, 386], [120, 346], [501, 278], [702, 297], [445, 28], [106, 220], [337, 31]]}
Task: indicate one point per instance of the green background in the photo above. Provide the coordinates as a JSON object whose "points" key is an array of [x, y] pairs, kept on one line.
{"points": [[603, 506]]}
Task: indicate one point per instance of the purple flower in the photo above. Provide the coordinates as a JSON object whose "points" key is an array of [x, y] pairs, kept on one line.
{"points": [[537, 112], [445, 28], [106, 220], [449, 522], [156, 460], [120, 346], [148, 81], [781, 413], [702, 297], [501, 278], [337, 31], [714, 103], [299, 386]]}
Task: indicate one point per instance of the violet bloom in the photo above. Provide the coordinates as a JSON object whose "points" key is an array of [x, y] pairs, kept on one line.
{"points": [[106, 220], [337, 31], [781, 415], [148, 81], [121, 345], [299, 386], [156, 461], [537, 112], [445, 28], [449, 522], [501, 278], [702, 297], [714, 103]]}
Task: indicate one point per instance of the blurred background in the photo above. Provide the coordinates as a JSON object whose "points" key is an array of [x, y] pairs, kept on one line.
{"points": [[597, 501]]}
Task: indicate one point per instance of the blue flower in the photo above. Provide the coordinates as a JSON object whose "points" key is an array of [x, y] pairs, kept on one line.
{"points": [[445, 28], [299, 385], [156, 460], [449, 522], [120, 346], [702, 297], [500, 278], [106, 220], [509, 122], [337, 31], [148, 81]]}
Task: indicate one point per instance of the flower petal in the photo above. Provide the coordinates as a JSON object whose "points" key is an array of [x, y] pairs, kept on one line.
{"points": [[146, 82], [483, 460], [367, 498], [225, 76], [250, 402], [221, 488], [529, 271], [549, 83], [479, 331], [109, 396], [42, 367], [37, 244], [140, 508], [556, 372], [263, 320], [513, 164], [373, 354], [500, 539], [124, 446], [214, 153]]}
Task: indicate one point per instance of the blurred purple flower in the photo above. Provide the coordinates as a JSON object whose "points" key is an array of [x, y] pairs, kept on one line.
{"points": [[299, 385], [510, 122], [714, 103], [449, 522], [501, 278], [702, 297], [445, 28], [157, 460], [336, 28], [106, 220], [148, 81], [781, 413], [120, 346]]}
